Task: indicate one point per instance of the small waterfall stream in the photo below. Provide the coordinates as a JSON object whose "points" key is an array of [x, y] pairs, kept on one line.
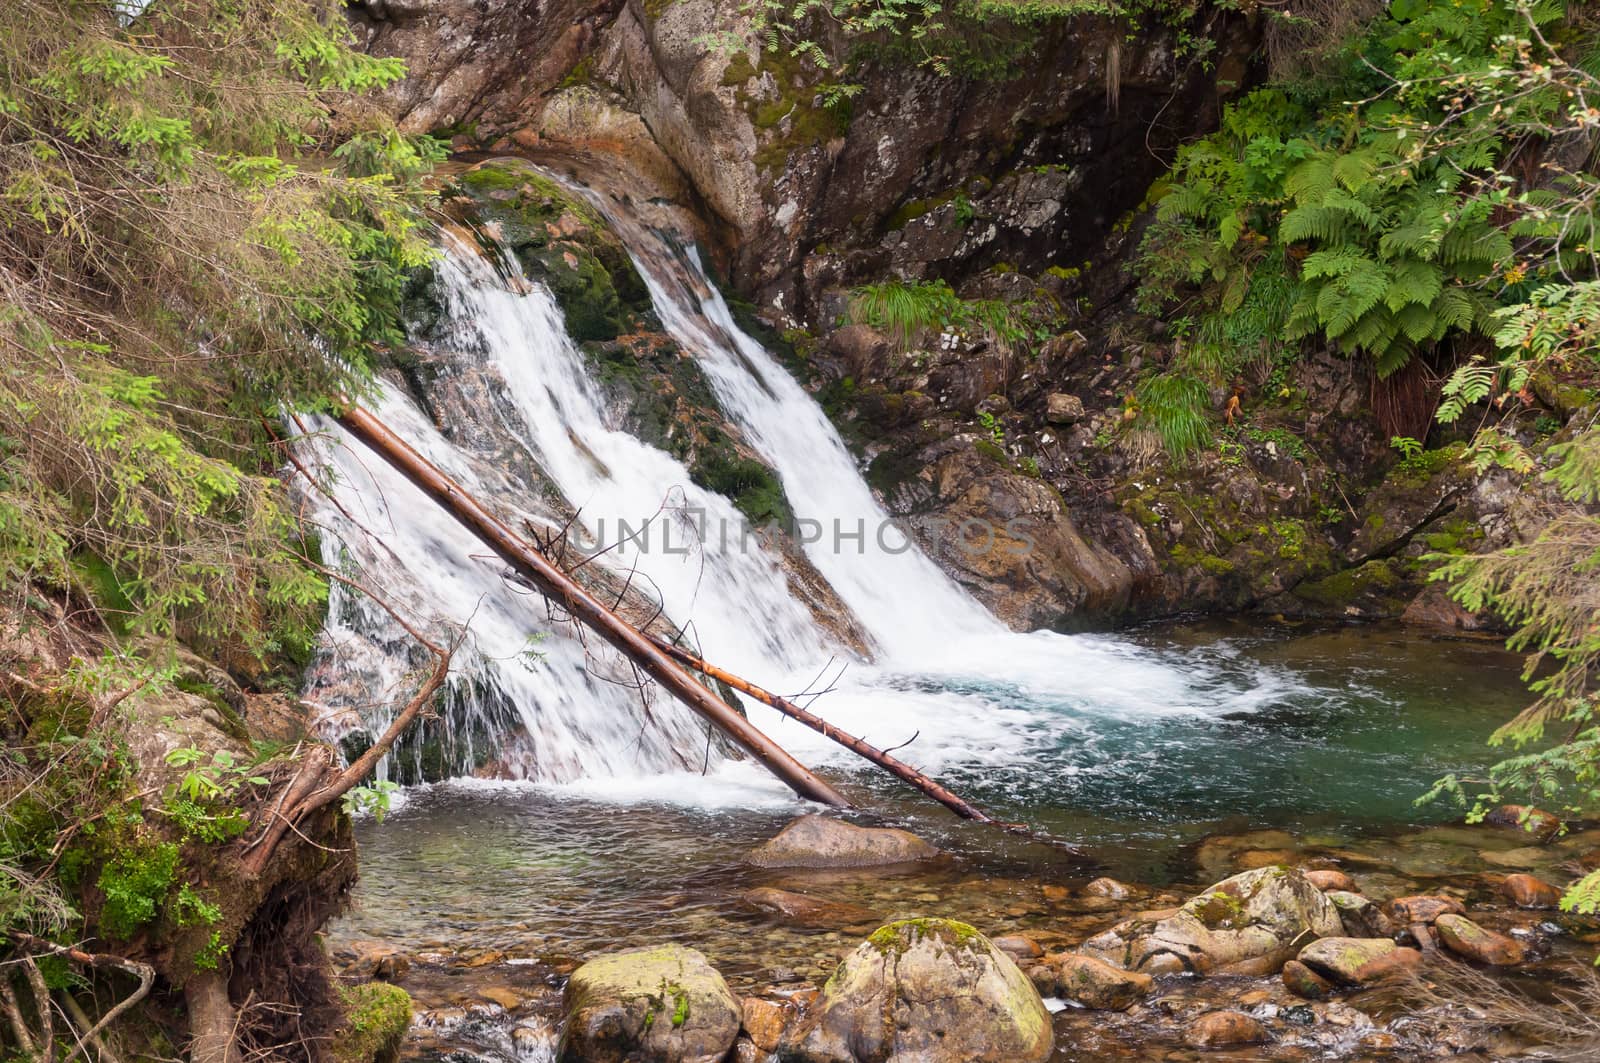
{"points": [[526, 419]]}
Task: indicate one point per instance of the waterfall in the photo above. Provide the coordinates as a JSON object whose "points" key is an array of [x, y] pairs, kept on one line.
{"points": [[526, 428], [909, 606]]}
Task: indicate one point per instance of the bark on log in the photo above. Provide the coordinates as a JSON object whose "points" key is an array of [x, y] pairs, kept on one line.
{"points": [[583, 606], [895, 767]]}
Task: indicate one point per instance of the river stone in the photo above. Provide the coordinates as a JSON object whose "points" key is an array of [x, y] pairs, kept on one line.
{"points": [[1108, 888], [818, 841], [1303, 982], [665, 1004], [798, 909], [1327, 879], [1357, 961], [1360, 916], [1221, 1029], [1423, 909], [1465, 938], [924, 991], [1019, 947], [765, 1021], [1525, 891], [1095, 983], [1262, 916]]}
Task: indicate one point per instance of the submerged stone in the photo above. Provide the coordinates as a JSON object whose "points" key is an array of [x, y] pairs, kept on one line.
{"points": [[1525, 891], [1223, 1029], [924, 991], [819, 841]]}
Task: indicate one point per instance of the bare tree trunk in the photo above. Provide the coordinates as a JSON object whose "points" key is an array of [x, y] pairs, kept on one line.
{"points": [[212, 1018], [550, 580], [895, 767]]}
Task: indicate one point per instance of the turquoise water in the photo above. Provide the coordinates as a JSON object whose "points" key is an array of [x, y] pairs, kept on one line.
{"points": [[1366, 720]]}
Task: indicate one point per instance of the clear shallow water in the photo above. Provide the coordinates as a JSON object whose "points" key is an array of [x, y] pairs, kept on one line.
{"points": [[1353, 724]]}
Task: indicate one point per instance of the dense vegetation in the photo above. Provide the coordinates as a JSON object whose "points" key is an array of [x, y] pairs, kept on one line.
{"points": [[201, 226], [1424, 202]]}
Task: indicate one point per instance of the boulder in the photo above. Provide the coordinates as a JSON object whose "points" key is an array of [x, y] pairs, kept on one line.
{"points": [[1258, 917], [1525, 891], [665, 1004], [1328, 879], [1360, 916], [924, 991], [1095, 983], [1535, 821], [1063, 409], [1357, 961], [1465, 938], [799, 909], [1223, 1029], [1302, 981], [819, 841]]}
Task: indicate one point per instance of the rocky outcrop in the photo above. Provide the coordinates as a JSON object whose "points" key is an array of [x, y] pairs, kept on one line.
{"points": [[1257, 919], [929, 991], [820, 841], [649, 1005]]}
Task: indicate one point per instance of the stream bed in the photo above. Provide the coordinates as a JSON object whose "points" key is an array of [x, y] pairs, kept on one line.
{"points": [[512, 884]]}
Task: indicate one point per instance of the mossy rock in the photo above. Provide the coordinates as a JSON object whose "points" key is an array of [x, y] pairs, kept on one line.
{"points": [[933, 989], [661, 1003], [561, 240], [379, 1016]]}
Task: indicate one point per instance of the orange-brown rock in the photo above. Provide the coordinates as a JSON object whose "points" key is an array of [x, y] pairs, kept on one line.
{"points": [[1224, 1029], [1328, 879], [1465, 938], [1424, 909], [1525, 891]]}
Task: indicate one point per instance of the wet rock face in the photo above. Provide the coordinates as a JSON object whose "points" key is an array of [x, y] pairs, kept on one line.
{"points": [[1006, 537], [819, 841], [1259, 917], [650, 1005], [924, 991]]}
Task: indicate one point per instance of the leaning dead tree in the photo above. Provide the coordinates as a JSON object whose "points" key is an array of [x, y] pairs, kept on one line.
{"points": [[588, 610], [894, 766]]}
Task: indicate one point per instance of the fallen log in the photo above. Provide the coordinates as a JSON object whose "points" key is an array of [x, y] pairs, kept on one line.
{"points": [[584, 607], [898, 768]]}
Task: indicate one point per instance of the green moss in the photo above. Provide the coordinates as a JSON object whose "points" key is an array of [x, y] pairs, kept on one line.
{"points": [[1291, 537], [912, 209], [1218, 909], [581, 74], [991, 450], [1186, 557], [561, 240], [1349, 586], [680, 1011], [738, 71], [378, 1016], [752, 487], [897, 937]]}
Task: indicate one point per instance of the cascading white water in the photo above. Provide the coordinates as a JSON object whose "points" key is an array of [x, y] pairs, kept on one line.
{"points": [[974, 693]]}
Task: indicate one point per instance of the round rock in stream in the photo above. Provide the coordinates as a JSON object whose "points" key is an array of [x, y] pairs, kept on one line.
{"points": [[818, 841], [653, 1005], [924, 991], [1259, 918]]}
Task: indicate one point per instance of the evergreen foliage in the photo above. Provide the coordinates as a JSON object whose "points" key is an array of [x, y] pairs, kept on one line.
{"points": [[200, 225]]}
